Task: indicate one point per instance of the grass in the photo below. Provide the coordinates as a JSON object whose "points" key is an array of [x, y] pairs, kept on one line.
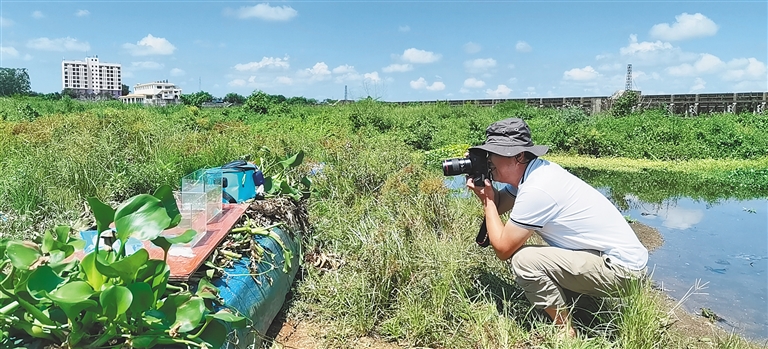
{"points": [[412, 274]]}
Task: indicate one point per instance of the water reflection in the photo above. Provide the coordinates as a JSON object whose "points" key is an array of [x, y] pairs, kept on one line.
{"points": [[721, 243]]}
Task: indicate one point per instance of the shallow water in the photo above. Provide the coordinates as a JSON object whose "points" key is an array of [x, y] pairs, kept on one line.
{"points": [[722, 245]]}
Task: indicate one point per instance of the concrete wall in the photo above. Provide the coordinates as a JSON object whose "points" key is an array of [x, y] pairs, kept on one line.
{"points": [[688, 104]]}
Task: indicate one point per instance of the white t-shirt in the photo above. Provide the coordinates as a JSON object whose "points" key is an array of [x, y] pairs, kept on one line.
{"points": [[569, 213]]}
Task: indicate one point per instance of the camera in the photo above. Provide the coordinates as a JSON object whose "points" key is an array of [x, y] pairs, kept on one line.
{"points": [[475, 165]]}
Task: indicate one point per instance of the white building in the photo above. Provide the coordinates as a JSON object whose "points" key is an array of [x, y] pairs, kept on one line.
{"points": [[154, 93], [91, 77]]}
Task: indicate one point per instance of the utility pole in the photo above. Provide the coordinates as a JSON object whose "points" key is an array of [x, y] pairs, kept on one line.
{"points": [[628, 84]]}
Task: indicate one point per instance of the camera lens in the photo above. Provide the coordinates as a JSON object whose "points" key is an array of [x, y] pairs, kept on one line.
{"points": [[453, 167]]}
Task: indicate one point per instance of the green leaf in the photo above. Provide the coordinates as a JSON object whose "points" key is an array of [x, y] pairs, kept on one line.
{"points": [[62, 233], [92, 275], [48, 242], [215, 334], [23, 254], [115, 301], [143, 299], [189, 315], [156, 273], [103, 213], [166, 242], [227, 316], [129, 266], [43, 281], [72, 292], [172, 303], [205, 289], [306, 182], [165, 194], [143, 341], [142, 216], [73, 310], [293, 161]]}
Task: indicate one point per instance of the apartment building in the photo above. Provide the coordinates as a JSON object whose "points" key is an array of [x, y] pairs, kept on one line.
{"points": [[91, 77], [154, 93]]}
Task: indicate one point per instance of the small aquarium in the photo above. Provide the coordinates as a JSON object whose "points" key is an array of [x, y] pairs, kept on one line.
{"points": [[199, 201]]}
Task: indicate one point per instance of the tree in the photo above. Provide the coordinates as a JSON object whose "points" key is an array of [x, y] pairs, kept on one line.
{"points": [[69, 93], [14, 81], [126, 90], [234, 98], [196, 99]]}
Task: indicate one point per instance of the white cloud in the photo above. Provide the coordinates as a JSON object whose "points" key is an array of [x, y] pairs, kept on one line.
{"points": [[708, 63], [237, 83], [745, 69], [698, 85], [265, 12], [499, 92], [472, 47], [473, 83], [344, 69], [686, 27], [635, 47], [37, 15], [684, 69], [403, 28], [418, 84], [436, 86], [150, 45], [146, 65], [397, 68], [611, 67], [318, 72], [373, 77], [480, 65], [9, 51], [5, 22], [284, 80], [266, 62], [523, 46], [60, 44], [421, 83], [581, 74], [413, 55], [82, 13], [681, 218], [177, 72]]}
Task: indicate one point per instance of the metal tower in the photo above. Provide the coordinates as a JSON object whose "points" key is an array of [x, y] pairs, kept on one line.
{"points": [[628, 84]]}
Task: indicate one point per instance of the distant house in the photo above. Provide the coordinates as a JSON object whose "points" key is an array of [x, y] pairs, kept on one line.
{"points": [[157, 93]]}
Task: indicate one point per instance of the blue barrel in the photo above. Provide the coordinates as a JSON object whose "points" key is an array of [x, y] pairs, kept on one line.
{"points": [[259, 298]]}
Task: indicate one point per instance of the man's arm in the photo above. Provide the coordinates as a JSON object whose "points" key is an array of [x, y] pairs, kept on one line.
{"points": [[505, 201], [505, 239]]}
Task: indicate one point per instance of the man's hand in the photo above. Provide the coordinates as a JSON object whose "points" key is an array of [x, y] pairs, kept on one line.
{"points": [[486, 194]]}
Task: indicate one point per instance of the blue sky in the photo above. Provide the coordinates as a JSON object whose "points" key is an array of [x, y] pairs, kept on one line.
{"points": [[399, 50]]}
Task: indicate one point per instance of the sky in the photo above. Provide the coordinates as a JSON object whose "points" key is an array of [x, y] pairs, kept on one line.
{"points": [[398, 50]]}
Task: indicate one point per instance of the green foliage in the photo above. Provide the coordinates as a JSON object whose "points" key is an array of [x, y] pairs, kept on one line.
{"points": [[125, 90], [279, 179], [14, 81], [108, 297], [234, 98], [259, 103], [625, 104], [196, 99]]}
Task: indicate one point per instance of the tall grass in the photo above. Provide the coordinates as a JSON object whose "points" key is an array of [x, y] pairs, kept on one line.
{"points": [[412, 274]]}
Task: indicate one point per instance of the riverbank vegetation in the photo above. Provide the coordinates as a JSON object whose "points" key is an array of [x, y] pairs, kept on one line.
{"points": [[409, 271]]}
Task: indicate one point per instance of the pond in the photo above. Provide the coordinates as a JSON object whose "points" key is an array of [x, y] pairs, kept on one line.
{"points": [[720, 243]]}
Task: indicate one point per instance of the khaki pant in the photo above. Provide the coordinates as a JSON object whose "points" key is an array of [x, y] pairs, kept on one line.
{"points": [[543, 272]]}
